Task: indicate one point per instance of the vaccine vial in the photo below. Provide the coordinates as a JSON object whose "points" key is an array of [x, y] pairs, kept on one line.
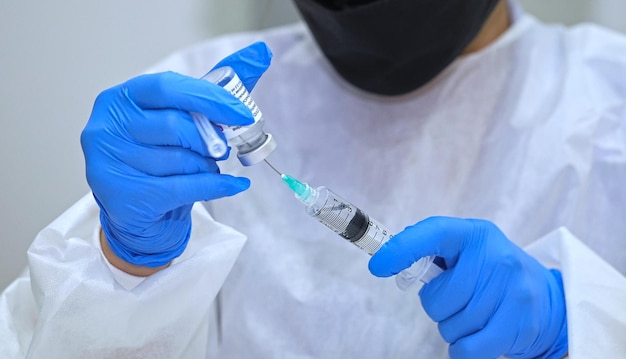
{"points": [[252, 143]]}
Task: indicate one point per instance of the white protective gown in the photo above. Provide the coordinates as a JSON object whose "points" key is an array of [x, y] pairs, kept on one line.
{"points": [[529, 133]]}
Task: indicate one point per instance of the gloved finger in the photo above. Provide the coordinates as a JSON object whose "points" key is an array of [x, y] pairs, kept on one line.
{"points": [[469, 320], [163, 161], [441, 236], [167, 128], [249, 63], [492, 341], [178, 191], [169, 90], [458, 286]]}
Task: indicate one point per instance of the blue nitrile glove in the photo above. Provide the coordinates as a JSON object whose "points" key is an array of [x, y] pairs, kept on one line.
{"points": [[147, 164], [493, 300]]}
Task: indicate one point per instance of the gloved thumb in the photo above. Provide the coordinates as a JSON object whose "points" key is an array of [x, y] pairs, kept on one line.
{"points": [[249, 63], [187, 189], [441, 236]]}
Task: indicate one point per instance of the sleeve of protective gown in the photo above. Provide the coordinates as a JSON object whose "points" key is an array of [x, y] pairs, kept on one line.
{"points": [[75, 305], [595, 295]]}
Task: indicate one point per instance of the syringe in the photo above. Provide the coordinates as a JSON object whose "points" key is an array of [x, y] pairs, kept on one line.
{"points": [[356, 226]]}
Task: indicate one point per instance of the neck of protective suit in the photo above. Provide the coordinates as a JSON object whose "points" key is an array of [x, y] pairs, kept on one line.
{"points": [[393, 47]]}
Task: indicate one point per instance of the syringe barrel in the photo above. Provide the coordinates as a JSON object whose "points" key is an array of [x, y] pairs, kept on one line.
{"points": [[348, 221], [351, 223], [252, 143]]}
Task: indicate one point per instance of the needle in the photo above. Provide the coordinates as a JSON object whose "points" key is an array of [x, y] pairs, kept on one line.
{"points": [[274, 168]]}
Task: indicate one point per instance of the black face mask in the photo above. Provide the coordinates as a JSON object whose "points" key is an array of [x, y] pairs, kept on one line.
{"points": [[392, 47]]}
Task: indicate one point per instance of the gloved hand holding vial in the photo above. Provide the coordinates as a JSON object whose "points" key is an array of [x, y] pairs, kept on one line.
{"points": [[148, 151]]}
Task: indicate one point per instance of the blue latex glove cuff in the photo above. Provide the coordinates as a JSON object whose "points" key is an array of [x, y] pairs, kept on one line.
{"points": [[146, 251], [560, 347]]}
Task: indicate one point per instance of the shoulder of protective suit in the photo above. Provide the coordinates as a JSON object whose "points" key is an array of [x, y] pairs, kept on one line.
{"points": [[600, 56], [197, 59]]}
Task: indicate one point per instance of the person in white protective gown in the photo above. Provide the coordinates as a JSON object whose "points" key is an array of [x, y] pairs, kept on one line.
{"points": [[528, 133]]}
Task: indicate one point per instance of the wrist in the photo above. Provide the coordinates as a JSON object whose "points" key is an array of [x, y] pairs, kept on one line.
{"points": [[117, 262]]}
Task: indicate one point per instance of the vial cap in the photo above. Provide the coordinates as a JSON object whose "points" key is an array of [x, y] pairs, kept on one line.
{"points": [[258, 154]]}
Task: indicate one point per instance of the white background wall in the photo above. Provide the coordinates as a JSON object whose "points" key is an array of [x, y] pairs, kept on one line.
{"points": [[56, 56]]}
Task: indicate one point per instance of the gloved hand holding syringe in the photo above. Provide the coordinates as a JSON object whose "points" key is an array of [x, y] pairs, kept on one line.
{"points": [[356, 226]]}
